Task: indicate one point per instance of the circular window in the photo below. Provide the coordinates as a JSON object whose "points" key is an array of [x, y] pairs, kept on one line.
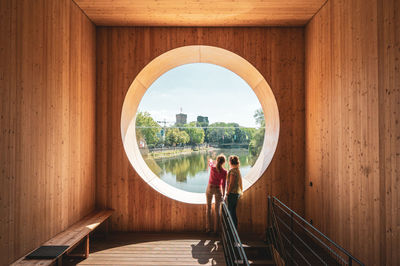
{"points": [[133, 143]]}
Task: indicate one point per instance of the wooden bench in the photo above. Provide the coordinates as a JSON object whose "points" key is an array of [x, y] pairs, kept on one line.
{"points": [[71, 237]]}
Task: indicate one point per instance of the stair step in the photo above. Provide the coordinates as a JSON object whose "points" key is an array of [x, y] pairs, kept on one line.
{"points": [[261, 262], [256, 245], [258, 252]]}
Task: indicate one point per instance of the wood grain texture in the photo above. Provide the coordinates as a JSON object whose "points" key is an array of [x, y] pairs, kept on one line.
{"points": [[47, 118], [71, 237], [200, 13], [352, 131], [154, 249], [278, 53], [389, 104]]}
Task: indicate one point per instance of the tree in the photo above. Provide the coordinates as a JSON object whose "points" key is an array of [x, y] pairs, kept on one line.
{"points": [[257, 140], [147, 128], [171, 136], [202, 122], [221, 132], [183, 137], [248, 133], [174, 136], [195, 133], [259, 117]]}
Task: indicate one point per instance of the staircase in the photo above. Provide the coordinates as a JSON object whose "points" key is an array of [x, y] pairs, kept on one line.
{"points": [[258, 253], [291, 240], [251, 251]]}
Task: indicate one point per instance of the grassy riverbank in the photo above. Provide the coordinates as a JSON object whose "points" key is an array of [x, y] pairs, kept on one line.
{"points": [[169, 153]]}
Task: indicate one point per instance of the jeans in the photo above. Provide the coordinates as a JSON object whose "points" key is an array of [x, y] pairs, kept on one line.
{"points": [[216, 191], [232, 203]]}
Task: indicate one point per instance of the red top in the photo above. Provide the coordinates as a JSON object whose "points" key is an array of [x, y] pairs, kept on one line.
{"points": [[217, 178]]}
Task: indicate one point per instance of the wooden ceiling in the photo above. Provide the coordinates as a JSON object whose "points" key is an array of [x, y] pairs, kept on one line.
{"points": [[200, 12]]}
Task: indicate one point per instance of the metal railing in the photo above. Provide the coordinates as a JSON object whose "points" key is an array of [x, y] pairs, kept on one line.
{"points": [[299, 242], [273, 233], [233, 248]]}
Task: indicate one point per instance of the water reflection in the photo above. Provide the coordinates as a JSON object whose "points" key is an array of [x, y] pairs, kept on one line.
{"points": [[190, 171]]}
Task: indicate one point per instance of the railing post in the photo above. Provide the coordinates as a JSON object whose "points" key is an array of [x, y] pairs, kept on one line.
{"points": [[350, 261], [232, 244], [269, 212], [292, 235]]}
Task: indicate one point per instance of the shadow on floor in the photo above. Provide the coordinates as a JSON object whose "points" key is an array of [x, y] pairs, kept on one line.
{"points": [[193, 248], [205, 252]]}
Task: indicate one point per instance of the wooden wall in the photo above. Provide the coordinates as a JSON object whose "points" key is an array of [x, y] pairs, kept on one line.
{"points": [[352, 127], [278, 53], [47, 119]]}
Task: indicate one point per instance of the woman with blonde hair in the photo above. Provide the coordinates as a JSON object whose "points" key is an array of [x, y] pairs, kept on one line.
{"points": [[235, 186], [216, 188]]}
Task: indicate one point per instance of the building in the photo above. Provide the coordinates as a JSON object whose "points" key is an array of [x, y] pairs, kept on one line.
{"points": [[181, 118], [202, 119]]}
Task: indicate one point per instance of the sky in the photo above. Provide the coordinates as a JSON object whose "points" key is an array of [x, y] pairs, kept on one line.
{"points": [[201, 89]]}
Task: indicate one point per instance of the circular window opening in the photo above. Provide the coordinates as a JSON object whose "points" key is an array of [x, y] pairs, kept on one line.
{"points": [[169, 148], [219, 114]]}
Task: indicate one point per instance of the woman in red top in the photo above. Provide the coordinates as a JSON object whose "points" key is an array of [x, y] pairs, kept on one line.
{"points": [[216, 187]]}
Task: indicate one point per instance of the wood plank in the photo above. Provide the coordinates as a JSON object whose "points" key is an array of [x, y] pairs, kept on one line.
{"points": [[389, 104], [200, 13], [154, 249], [352, 105], [39, 163]]}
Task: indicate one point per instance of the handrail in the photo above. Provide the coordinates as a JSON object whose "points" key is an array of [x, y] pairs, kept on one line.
{"points": [[298, 252], [292, 215], [315, 237], [233, 248], [304, 243], [276, 236]]}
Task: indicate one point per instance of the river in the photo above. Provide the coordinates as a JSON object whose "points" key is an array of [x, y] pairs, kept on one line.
{"points": [[190, 172]]}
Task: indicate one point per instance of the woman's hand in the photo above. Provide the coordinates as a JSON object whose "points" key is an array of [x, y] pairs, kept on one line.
{"points": [[210, 163]]}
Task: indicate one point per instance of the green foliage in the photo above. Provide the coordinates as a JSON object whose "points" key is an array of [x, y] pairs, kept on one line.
{"points": [[147, 128], [229, 133], [257, 139], [204, 126], [220, 132], [171, 136], [196, 134], [183, 137], [246, 134], [174, 136], [257, 142], [259, 117]]}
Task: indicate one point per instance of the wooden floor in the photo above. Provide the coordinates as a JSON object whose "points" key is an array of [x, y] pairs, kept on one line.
{"points": [[153, 249]]}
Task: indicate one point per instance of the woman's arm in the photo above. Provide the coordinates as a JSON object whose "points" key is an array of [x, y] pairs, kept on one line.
{"points": [[223, 186]]}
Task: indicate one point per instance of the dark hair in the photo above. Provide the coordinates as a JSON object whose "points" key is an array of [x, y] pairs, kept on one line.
{"points": [[220, 161], [234, 160]]}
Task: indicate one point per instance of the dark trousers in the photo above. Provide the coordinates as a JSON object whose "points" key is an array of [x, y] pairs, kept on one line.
{"points": [[232, 203]]}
